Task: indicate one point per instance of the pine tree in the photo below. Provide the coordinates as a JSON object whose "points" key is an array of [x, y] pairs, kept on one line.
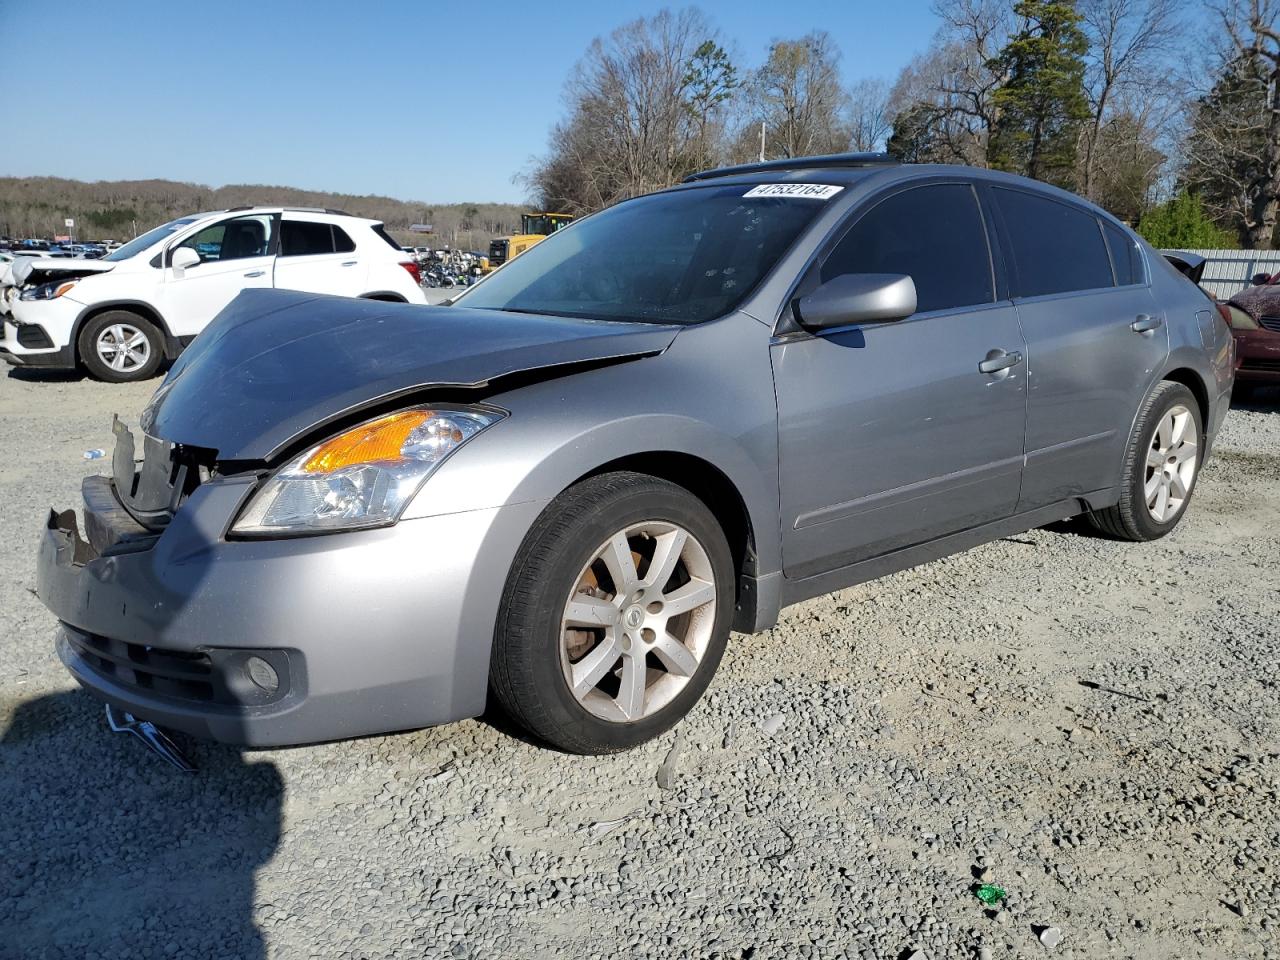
{"points": [[1042, 105]]}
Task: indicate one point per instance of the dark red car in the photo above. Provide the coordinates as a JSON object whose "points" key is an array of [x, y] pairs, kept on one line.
{"points": [[1254, 315], [1254, 318]]}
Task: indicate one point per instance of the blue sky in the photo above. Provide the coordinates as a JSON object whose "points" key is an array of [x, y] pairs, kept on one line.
{"points": [[432, 101]]}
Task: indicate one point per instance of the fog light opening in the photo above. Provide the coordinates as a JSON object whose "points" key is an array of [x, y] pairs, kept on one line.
{"points": [[262, 674]]}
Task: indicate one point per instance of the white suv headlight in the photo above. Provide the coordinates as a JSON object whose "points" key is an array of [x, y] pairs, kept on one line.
{"points": [[363, 477]]}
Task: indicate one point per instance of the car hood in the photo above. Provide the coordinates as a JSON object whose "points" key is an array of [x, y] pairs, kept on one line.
{"points": [[277, 365], [31, 271], [1258, 302]]}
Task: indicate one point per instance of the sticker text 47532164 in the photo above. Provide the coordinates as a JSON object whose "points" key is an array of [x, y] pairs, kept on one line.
{"points": [[802, 191]]}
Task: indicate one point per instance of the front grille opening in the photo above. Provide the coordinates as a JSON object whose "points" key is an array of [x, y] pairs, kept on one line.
{"points": [[172, 673], [33, 336], [222, 676]]}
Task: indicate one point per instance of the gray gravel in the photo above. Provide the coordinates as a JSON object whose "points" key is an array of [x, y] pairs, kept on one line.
{"points": [[1090, 725]]}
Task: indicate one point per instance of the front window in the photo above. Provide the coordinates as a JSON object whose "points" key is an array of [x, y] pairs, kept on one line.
{"points": [[236, 239], [148, 239], [543, 224], [681, 257]]}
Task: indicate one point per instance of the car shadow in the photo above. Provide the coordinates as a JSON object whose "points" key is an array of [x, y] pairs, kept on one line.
{"points": [[1256, 399], [110, 852], [37, 375]]}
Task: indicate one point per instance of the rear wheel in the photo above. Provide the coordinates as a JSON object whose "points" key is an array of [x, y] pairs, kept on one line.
{"points": [[120, 346], [1161, 467], [615, 615]]}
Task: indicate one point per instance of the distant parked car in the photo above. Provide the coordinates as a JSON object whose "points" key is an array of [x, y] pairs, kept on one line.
{"points": [[122, 315]]}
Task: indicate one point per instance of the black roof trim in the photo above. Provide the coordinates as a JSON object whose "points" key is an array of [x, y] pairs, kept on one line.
{"points": [[797, 163], [272, 206]]}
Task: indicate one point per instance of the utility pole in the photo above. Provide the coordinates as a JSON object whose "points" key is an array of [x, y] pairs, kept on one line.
{"points": [[762, 141]]}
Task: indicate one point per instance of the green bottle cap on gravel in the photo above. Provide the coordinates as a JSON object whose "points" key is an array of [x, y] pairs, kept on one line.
{"points": [[989, 893]]}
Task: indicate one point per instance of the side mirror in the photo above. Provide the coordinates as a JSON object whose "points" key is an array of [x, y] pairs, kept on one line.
{"points": [[859, 298], [183, 258], [1261, 279]]}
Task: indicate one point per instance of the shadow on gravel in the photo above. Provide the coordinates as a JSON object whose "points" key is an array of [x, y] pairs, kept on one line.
{"points": [[109, 852], [1256, 399], [36, 375]]}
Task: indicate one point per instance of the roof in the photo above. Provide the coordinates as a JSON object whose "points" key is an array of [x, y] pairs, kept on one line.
{"points": [[830, 161]]}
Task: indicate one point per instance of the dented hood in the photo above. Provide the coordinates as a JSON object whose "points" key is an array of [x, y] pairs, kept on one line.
{"points": [[276, 364], [32, 271]]}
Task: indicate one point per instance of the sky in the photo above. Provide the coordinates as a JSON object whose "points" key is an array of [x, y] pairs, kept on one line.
{"points": [[431, 101]]}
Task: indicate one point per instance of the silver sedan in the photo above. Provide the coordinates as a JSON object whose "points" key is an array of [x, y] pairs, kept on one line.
{"points": [[669, 420]]}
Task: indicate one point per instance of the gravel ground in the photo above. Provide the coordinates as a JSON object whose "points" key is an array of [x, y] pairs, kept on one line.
{"points": [[1091, 725]]}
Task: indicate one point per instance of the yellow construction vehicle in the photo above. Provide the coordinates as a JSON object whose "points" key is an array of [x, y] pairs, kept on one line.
{"points": [[533, 228]]}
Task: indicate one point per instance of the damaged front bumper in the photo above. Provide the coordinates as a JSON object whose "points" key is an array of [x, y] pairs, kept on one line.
{"points": [[272, 642]]}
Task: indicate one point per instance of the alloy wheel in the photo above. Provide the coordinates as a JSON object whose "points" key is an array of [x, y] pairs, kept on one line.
{"points": [[1171, 464], [123, 347], [638, 621]]}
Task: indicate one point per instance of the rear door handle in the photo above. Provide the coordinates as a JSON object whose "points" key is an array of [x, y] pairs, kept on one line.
{"points": [[255, 273], [1145, 323], [1001, 361], [349, 263]]}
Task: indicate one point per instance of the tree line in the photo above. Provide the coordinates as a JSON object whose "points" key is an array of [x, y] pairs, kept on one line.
{"points": [[1130, 103], [119, 209]]}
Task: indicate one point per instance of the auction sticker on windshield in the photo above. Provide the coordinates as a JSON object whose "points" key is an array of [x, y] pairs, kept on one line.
{"points": [[806, 191]]}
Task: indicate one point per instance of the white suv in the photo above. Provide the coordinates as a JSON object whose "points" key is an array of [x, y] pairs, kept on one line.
{"points": [[123, 315]]}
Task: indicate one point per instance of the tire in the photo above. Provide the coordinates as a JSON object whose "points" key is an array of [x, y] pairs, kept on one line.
{"points": [[141, 358], [536, 652], [1150, 464]]}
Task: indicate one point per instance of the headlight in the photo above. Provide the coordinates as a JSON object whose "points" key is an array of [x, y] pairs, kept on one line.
{"points": [[47, 291], [364, 477]]}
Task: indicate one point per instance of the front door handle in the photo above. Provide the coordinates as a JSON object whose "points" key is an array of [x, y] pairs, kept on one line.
{"points": [[349, 263], [998, 360], [255, 273], [1146, 323]]}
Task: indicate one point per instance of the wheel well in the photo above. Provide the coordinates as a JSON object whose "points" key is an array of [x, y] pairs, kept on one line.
{"points": [[141, 309], [706, 482], [1191, 380], [385, 297]]}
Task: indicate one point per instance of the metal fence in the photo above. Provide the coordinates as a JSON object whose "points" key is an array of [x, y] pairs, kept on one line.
{"points": [[1227, 272]]}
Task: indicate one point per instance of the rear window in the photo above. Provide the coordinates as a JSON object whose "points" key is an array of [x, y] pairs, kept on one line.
{"points": [[1126, 258], [304, 238], [1057, 248], [381, 231]]}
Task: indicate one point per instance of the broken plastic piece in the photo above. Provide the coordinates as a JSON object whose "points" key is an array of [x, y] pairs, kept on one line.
{"points": [[989, 893], [151, 735]]}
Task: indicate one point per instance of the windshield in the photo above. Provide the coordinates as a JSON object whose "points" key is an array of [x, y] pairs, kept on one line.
{"points": [[680, 257], [150, 238]]}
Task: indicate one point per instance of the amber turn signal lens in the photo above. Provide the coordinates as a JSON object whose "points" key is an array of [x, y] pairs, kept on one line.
{"points": [[371, 442]]}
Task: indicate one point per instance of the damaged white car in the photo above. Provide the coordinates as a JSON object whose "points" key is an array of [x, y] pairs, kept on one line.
{"points": [[122, 316]]}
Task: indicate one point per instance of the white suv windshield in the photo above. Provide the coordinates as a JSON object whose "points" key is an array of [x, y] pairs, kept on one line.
{"points": [[151, 237]]}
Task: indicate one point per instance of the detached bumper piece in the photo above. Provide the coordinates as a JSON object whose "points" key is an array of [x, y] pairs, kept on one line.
{"points": [[151, 735]]}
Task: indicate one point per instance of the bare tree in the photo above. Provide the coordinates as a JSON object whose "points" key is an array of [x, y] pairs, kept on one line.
{"points": [[869, 120], [629, 129], [1251, 26], [947, 95], [799, 97], [1129, 41]]}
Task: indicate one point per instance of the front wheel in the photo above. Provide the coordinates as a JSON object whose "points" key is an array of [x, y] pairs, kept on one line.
{"points": [[119, 346], [1161, 466], [615, 614]]}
